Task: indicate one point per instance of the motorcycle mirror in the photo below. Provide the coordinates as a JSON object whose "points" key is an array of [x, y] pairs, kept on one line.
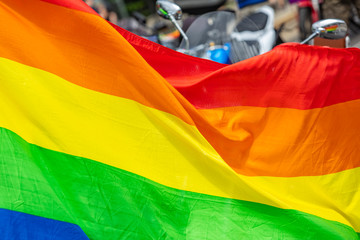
{"points": [[329, 29], [171, 11], [166, 9]]}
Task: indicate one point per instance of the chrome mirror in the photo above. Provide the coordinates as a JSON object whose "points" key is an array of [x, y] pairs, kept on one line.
{"points": [[166, 9], [171, 11], [329, 29]]}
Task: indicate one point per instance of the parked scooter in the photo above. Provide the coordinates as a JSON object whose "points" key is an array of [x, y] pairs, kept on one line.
{"points": [[216, 35]]}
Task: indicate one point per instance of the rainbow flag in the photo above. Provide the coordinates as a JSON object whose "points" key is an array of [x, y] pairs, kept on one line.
{"points": [[331, 28], [104, 135]]}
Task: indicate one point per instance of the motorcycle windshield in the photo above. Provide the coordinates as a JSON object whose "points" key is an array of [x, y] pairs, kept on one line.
{"points": [[213, 27]]}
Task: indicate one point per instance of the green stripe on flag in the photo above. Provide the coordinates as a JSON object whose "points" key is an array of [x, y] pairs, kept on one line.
{"points": [[110, 203]]}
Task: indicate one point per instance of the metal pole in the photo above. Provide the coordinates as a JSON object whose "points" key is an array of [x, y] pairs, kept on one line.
{"points": [[173, 20], [313, 35]]}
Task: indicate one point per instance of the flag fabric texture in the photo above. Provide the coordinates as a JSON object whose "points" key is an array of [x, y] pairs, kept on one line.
{"points": [[105, 135]]}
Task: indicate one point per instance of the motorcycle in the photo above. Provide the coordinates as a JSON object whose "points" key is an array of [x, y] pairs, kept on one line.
{"points": [[218, 37]]}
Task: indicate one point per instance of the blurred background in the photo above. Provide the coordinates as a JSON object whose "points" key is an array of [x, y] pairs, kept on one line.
{"points": [[292, 18]]}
